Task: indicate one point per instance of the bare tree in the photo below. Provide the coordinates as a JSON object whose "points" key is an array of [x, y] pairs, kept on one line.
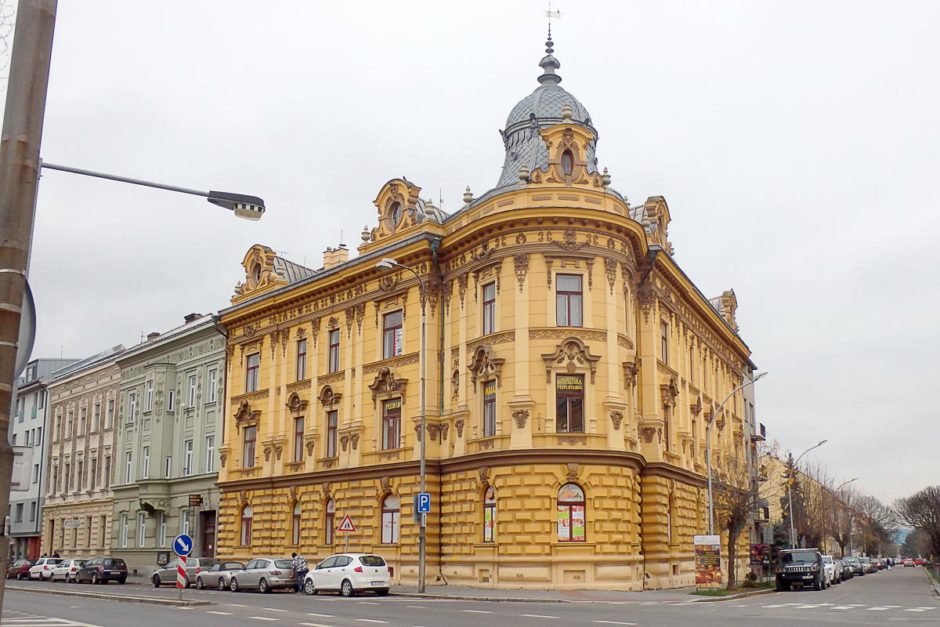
{"points": [[843, 518], [877, 524], [922, 512]]}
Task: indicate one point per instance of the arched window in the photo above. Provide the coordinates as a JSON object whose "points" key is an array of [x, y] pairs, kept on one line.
{"points": [[330, 521], [391, 518], [295, 525], [246, 526], [489, 515], [395, 213], [570, 514], [567, 163]]}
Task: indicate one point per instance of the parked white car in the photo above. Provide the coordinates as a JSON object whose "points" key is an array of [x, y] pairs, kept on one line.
{"points": [[349, 573], [829, 565], [42, 569], [66, 570]]}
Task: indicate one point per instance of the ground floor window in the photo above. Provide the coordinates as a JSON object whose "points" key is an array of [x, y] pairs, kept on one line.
{"points": [[489, 515], [330, 521], [391, 519], [570, 513], [247, 516], [295, 525]]}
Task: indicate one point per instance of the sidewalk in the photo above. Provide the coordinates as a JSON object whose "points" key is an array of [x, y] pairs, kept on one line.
{"points": [[650, 597]]}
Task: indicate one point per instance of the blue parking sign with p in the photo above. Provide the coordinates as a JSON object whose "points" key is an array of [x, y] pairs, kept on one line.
{"points": [[424, 503]]}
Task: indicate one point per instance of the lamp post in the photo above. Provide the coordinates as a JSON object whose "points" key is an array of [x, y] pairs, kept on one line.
{"points": [[708, 448], [790, 491], [839, 490], [388, 264]]}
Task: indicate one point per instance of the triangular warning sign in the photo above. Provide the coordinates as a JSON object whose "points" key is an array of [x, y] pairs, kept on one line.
{"points": [[346, 525]]}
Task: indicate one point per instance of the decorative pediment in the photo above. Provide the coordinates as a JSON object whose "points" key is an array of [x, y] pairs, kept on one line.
{"points": [[386, 383], [571, 354], [397, 206], [327, 398], [295, 404], [484, 364], [260, 273], [568, 162], [696, 407], [670, 392], [245, 416]]}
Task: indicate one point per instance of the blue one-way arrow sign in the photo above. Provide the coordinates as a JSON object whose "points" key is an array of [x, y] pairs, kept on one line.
{"points": [[183, 545], [424, 503]]}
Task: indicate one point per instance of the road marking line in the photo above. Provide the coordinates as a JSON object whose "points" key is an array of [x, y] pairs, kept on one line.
{"points": [[218, 612], [417, 607], [236, 604], [372, 620], [314, 624], [537, 616], [883, 608], [477, 611], [769, 607], [268, 618], [320, 615], [273, 609], [367, 603], [612, 622], [843, 607]]}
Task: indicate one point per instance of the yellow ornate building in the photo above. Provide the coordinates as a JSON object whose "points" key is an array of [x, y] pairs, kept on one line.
{"points": [[572, 367]]}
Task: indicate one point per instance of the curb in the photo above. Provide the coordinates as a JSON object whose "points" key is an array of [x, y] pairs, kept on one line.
{"points": [[465, 597], [732, 597], [111, 597], [934, 585]]}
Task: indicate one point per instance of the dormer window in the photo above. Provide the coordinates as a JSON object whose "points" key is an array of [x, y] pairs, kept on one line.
{"points": [[567, 163]]}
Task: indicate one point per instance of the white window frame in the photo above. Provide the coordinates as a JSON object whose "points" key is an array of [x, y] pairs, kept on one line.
{"points": [[171, 400], [213, 384], [184, 521], [128, 467], [131, 406], [161, 531], [210, 453], [141, 529], [187, 458], [124, 530], [148, 396], [167, 467], [145, 474], [192, 391]]}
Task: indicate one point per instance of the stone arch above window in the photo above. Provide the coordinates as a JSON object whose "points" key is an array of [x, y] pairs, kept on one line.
{"points": [[386, 385], [572, 355], [296, 405], [328, 398], [484, 364]]}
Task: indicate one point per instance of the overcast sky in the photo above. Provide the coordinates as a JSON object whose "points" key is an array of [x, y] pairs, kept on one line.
{"points": [[797, 144]]}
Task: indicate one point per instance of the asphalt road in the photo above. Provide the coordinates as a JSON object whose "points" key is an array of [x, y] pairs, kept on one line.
{"points": [[900, 596]]}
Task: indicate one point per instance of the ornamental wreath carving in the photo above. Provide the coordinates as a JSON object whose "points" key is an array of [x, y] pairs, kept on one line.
{"points": [[616, 417], [571, 354], [459, 424], [484, 364], [386, 383], [327, 398]]}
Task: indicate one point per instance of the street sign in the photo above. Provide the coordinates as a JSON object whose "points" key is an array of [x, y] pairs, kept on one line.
{"points": [[347, 525], [183, 545], [195, 500], [424, 502]]}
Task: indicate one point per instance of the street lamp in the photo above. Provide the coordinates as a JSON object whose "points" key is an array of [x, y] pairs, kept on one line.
{"points": [[247, 207], [839, 490], [790, 491], [389, 264], [845, 483], [708, 447]]}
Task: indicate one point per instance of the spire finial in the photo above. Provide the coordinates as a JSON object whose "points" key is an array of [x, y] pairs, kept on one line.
{"points": [[549, 63]]}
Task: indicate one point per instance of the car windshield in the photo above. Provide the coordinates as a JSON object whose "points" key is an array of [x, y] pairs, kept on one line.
{"points": [[827, 559], [283, 564], [233, 566], [372, 560], [113, 563], [799, 557]]}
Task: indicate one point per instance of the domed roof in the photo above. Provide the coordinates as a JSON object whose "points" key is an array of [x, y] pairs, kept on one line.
{"points": [[542, 108]]}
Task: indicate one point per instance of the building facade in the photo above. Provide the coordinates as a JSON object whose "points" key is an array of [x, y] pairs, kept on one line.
{"points": [[77, 506], [167, 443], [29, 428], [572, 367]]}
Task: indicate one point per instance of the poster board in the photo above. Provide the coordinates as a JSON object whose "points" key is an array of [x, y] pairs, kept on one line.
{"points": [[707, 561]]}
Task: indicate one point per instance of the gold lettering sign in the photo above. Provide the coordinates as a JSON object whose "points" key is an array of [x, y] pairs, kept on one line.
{"points": [[569, 383], [393, 406], [489, 391]]}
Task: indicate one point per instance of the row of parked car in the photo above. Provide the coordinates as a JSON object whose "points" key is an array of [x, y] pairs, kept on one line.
{"points": [[809, 567], [94, 570], [346, 573]]}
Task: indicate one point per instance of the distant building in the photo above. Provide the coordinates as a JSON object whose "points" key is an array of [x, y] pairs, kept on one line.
{"points": [[167, 443], [84, 406], [29, 428]]}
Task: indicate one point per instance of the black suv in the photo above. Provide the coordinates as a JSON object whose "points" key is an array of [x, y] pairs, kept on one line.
{"points": [[800, 566], [102, 570]]}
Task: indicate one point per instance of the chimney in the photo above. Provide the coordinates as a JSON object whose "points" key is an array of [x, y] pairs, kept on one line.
{"points": [[152, 335], [190, 317], [333, 257]]}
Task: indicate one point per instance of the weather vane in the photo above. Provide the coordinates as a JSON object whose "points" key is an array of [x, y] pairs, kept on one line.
{"points": [[551, 14]]}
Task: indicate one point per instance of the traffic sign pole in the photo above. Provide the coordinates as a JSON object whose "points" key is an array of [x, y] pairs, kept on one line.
{"points": [[183, 547], [180, 576]]}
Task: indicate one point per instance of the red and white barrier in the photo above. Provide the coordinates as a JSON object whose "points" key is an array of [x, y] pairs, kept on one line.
{"points": [[181, 572]]}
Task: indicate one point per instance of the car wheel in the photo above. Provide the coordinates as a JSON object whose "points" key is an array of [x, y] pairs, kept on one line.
{"points": [[94, 579], [156, 581], [309, 587], [817, 583], [122, 580], [263, 586], [222, 587], [346, 588], [233, 585], [199, 584]]}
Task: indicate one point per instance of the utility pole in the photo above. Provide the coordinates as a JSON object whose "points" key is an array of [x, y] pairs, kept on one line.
{"points": [[19, 176]]}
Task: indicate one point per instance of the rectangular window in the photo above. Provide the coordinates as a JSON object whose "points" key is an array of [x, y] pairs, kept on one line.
{"points": [[35, 473], [333, 354], [489, 409], [148, 396], [80, 475], [128, 467], [19, 409], [109, 417], [167, 467], [82, 421], [171, 400], [332, 418], [42, 399], [187, 458], [210, 453], [692, 364], [32, 511], [96, 418], [141, 529], [248, 449], [253, 366], [161, 531], [94, 473], [184, 521], [124, 530], [301, 359], [107, 471], [664, 341], [13, 439], [392, 334], [569, 403], [67, 477], [489, 308], [299, 439], [213, 385], [192, 391], [391, 423], [38, 440], [18, 518], [145, 467], [131, 406], [568, 300], [69, 423]]}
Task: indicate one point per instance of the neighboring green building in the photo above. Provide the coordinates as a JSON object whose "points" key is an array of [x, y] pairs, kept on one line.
{"points": [[166, 459]]}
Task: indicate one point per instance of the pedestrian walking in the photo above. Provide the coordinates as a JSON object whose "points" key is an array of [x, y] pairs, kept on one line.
{"points": [[300, 569]]}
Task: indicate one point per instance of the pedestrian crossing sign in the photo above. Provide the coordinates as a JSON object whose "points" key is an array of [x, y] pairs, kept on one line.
{"points": [[347, 525]]}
